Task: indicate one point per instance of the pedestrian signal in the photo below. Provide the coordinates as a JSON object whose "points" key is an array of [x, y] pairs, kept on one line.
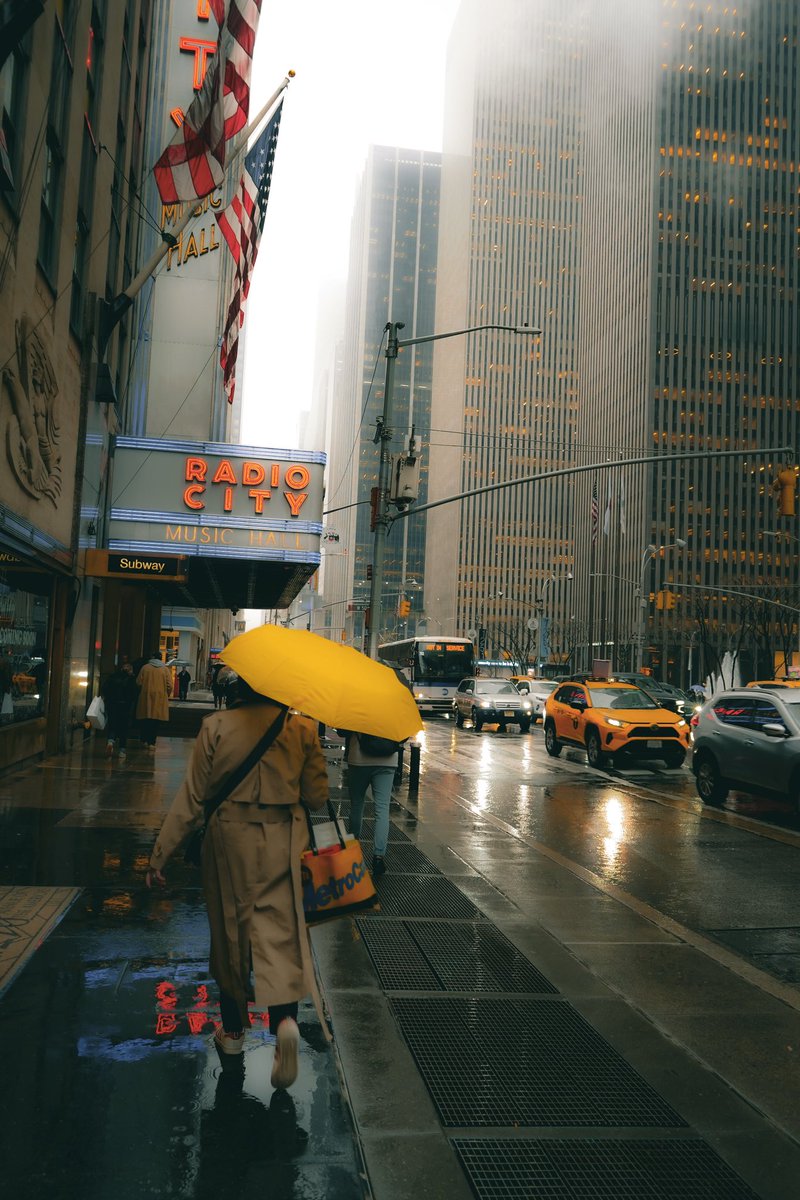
{"points": [[404, 608]]}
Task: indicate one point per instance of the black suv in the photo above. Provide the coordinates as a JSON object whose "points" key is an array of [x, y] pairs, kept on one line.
{"points": [[748, 739]]}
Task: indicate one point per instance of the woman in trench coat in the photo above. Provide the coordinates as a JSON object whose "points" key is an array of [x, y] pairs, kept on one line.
{"points": [[251, 865], [155, 688]]}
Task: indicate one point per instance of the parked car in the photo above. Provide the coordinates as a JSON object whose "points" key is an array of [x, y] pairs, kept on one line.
{"points": [[605, 718], [748, 738], [537, 691], [490, 702]]}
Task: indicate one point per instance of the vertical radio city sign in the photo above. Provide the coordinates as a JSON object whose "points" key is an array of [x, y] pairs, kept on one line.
{"points": [[193, 242], [216, 499]]}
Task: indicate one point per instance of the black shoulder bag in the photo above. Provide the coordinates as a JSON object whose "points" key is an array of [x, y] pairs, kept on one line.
{"points": [[193, 847]]}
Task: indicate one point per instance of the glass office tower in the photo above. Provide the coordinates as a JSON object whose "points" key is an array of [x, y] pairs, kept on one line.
{"points": [[626, 177], [392, 277]]}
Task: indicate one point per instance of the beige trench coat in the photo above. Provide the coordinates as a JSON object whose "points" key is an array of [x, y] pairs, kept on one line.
{"points": [[156, 688], [251, 852]]}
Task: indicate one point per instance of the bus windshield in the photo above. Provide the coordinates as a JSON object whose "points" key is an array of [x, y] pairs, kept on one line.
{"points": [[451, 661]]}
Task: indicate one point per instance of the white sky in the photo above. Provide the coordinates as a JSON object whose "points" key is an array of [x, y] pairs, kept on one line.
{"points": [[369, 72]]}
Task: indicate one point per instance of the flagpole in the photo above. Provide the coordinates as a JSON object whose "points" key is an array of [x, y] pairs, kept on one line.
{"points": [[112, 313]]}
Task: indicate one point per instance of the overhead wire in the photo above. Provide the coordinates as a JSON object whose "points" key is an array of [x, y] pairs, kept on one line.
{"points": [[357, 440]]}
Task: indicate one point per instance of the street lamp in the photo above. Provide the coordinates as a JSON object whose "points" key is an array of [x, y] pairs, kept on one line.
{"points": [[382, 518], [648, 554]]}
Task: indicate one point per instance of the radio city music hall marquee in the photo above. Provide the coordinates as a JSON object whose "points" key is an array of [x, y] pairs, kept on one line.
{"points": [[214, 499]]}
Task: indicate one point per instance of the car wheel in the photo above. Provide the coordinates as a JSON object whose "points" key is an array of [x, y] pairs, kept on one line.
{"points": [[551, 743], [524, 726], [674, 759], [477, 721], [594, 751], [711, 787], [459, 719]]}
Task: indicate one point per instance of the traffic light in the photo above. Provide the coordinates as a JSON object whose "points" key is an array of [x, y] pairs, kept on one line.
{"points": [[783, 488], [666, 599], [404, 608], [373, 507]]}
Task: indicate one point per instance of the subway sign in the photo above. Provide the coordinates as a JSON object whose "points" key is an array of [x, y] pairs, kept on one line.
{"points": [[103, 564]]}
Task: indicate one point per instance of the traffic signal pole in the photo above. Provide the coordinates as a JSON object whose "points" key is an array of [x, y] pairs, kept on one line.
{"points": [[383, 519]]}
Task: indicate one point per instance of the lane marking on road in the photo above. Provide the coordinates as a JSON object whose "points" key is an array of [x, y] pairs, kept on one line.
{"points": [[725, 958], [763, 828]]}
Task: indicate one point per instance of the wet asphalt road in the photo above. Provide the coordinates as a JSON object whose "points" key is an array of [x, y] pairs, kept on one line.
{"points": [[730, 874]]}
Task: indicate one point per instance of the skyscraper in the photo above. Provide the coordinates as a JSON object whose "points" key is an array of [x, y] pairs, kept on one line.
{"points": [[625, 176], [392, 277]]}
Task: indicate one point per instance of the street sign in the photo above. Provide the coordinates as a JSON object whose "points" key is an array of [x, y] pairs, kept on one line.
{"points": [[533, 623], [472, 634], [105, 564]]}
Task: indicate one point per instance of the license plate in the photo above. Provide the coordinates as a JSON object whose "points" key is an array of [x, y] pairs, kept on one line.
{"points": [[654, 745], [508, 713]]}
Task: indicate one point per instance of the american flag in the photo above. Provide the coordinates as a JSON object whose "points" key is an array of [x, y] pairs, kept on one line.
{"points": [[595, 512], [193, 164], [241, 224]]}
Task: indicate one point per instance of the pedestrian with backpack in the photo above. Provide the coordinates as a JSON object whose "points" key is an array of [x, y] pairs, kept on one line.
{"points": [[371, 763]]}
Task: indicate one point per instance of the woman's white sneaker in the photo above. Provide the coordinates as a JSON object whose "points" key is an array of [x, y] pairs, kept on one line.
{"points": [[287, 1043]]}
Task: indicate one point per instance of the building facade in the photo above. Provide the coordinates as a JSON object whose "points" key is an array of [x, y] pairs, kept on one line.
{"points": [[392, 277], [628, 181], [509, 254], [72, 87]]}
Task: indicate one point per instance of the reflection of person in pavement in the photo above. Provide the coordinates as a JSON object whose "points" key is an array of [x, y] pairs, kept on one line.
{"points": [[258, 1135]]}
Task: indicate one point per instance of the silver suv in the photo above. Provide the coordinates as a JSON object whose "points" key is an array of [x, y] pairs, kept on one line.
{"points": [[491, 702], [748, 739]]}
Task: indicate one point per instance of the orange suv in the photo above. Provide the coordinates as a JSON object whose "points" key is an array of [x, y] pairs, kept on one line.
{"points": [[607, 718]]}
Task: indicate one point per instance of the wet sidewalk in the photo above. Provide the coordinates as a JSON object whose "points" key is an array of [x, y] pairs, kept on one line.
{"points": [[111, 1086], [502, 1030]]}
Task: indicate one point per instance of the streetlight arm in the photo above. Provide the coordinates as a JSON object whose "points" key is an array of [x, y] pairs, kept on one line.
{"points": [[437, 337]]}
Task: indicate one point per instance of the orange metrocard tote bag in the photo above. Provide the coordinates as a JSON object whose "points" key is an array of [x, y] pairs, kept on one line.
{"points": [[335, 879]]}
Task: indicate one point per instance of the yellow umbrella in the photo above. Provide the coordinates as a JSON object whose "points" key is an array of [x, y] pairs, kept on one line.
{"points": [[325, 680]]}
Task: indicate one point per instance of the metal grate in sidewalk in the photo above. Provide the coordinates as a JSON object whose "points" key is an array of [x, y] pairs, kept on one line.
{"points": [[490, 1062], [424, 896], [469, 956], [595, 1169]]}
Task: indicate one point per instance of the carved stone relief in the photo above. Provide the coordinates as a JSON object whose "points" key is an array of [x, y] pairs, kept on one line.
{"points": [[32, 431]]}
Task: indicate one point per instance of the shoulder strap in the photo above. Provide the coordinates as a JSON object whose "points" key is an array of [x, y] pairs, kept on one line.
{"points": [[244, 769]]}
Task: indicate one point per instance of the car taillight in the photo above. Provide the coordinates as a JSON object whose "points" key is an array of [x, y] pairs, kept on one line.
{"points": [[695, 721]]}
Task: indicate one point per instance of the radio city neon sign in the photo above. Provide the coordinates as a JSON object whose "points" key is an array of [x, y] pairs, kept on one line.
{"points": [[252, 477]]}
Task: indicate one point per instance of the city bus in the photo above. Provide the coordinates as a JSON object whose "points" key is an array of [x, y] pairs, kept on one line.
{"points": [[434, 666]]}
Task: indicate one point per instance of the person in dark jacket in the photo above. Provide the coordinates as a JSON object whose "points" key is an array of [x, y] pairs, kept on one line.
{"points": [[119, 696], [184, 679]]}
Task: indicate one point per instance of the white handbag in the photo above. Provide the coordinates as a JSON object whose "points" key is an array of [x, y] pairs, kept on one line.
{"points": [[96, 713]]}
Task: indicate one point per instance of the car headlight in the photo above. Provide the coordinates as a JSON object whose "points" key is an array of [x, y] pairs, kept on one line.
{"points": [[526, 705], [420, 696], [617, 724], [486, 704], [681, 722]]}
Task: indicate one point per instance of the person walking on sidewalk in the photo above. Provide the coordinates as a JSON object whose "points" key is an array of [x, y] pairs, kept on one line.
{"points": [[376, 771], [251, 865], [119, 694], [184, 679], [155, 688]]}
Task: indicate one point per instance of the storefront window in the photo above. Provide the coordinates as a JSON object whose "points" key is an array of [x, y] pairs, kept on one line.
{"points": [[24, 660]]}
